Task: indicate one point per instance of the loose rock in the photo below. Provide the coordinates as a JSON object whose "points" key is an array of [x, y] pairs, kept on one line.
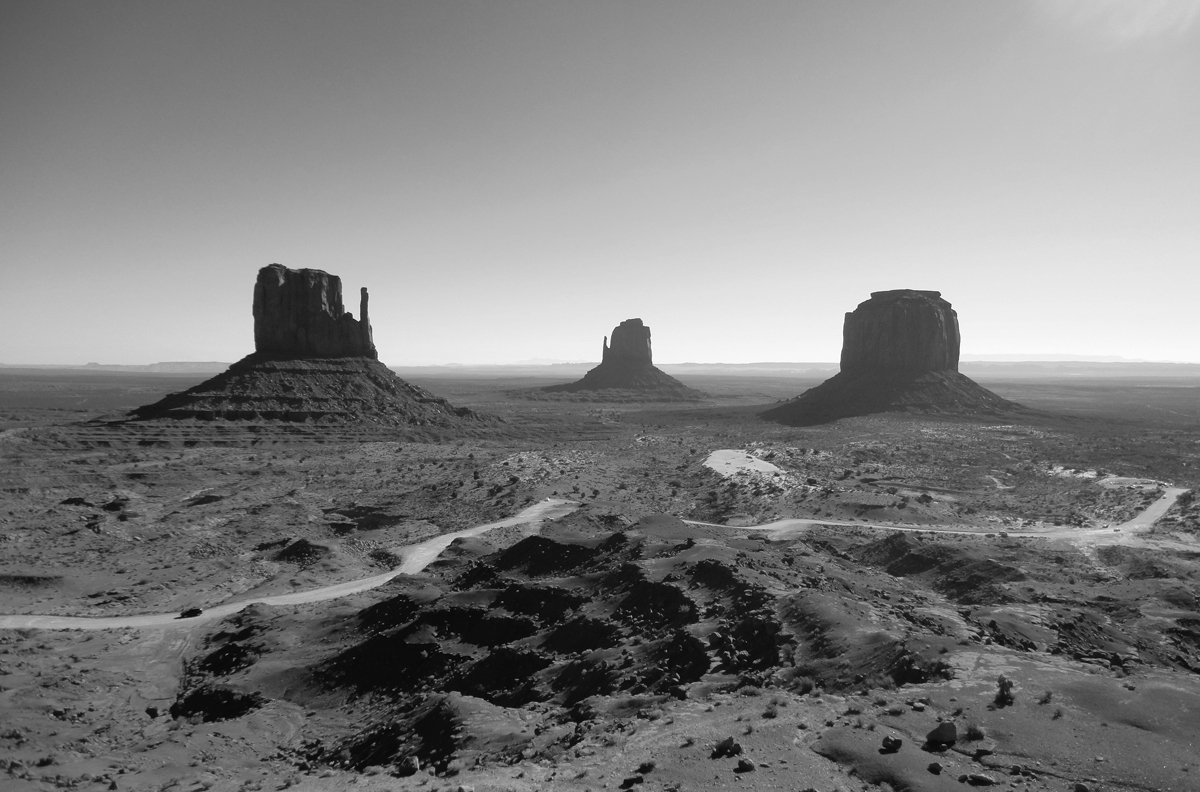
{"points": [[727, 747], [945, 733]]}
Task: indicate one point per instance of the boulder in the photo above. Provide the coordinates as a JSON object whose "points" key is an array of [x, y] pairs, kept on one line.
{"points": [[945, 733], [298, 314]]}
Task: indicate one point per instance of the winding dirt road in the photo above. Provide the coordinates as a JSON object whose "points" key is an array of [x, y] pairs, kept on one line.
{"points": [[416, 557], [1140, 523]]}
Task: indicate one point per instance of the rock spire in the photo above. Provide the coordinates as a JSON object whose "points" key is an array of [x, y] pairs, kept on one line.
{"points": [[899, 354]]}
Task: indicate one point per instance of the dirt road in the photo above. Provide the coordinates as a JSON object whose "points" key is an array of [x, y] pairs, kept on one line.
{"points": [[416, 557], [1140, 523]]}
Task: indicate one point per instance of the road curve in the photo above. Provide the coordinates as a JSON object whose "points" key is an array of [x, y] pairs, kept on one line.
{"points": [[415, 558], [418, 556]]}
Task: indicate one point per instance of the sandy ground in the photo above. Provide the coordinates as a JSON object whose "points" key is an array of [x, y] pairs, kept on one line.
{"points": [[875, 546]]}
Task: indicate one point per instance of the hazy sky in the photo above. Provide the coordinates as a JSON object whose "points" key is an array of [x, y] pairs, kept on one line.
{"points": [[512, 179]]}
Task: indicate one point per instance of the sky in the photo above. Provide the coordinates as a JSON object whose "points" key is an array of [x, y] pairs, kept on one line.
{"points": [[511, 178]]}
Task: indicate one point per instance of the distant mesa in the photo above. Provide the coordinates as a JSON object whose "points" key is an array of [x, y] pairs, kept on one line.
{"points": [[313, 363], [627, 364], [899, 354]]}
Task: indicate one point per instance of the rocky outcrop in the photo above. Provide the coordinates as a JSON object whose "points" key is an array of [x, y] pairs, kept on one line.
{"points": [[901, 331], [298, 314], [899, 354], [627, 369], [630, 345], [313, 364]]}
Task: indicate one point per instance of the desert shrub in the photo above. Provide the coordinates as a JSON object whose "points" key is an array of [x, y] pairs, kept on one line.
{"points": [[796, 680], [1004, 691], [975, 732], [1046, 697]]}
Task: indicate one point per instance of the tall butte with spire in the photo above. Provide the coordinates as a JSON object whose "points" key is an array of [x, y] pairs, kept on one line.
{"points": [[627, 364], [313, 362], [299, 314], [899, 354]]}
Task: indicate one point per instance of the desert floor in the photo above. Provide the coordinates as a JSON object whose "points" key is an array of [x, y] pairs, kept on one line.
{"points": [[596, 595]]}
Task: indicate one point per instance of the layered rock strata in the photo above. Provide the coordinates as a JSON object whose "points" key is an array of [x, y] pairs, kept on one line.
{"points": [[899, 354], [627, 364], [313, 363]]}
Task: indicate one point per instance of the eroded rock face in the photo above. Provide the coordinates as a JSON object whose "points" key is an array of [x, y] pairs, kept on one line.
{"points": [[899, 354], [630, 344], [299, 314], [901, 331]]}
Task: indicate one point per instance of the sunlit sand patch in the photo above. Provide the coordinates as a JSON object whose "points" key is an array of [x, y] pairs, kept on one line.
{"points": [[728, 462]]}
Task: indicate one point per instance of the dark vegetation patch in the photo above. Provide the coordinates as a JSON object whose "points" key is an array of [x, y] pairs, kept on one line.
{"points": [[537, 556], [582, 634], [303, 552], [229, 658], [212, 702], [505, 677], [657, 606], [547, 604], [477, 626], [30, 581], [387, 614], [388, 663]]}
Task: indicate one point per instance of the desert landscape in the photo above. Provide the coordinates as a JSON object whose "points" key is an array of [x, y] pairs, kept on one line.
{"points": [[577, 396], [519, 592]]}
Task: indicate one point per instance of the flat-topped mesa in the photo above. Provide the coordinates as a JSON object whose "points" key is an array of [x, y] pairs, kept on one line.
{"points": [[630, 345], [904, 331], [298, 314], [899, 354]]}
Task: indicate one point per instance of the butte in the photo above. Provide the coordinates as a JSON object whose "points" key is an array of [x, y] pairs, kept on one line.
{"points": [[627, 365], [313, 363], [899, 354]]}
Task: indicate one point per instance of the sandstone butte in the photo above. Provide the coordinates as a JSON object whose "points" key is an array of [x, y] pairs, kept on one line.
{"points": [[313, 363], [298, 314], [900, 353], [627, 364]]}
